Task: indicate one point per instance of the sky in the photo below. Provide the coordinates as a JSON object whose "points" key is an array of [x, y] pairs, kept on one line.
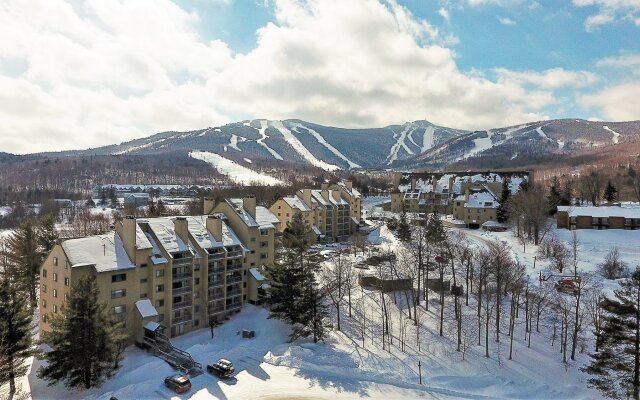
{"points": [[84, 73]]}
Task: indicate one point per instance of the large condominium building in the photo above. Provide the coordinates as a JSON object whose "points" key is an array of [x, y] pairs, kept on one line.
{"points": [[182, 272], [427, 192], [475, 207], [603, 217], [333, 212]]}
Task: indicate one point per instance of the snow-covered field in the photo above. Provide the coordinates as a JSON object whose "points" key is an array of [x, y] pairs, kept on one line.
{"points": [[236, 172]]}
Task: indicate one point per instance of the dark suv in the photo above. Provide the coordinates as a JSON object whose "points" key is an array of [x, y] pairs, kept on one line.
{"points": [[178, 383]]}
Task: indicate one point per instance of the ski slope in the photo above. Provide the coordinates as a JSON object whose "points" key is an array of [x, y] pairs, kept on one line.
{"points": [[235, 171], [428, 138], [263, 136], [616, 135], [326, 144], [400, 143], [300, 149]]}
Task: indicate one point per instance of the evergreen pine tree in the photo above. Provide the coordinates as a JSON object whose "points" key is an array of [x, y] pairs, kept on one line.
{"points": [[610, 192], [85, 337], [294, 295], [89, 202], [404, 230], [103, 198], [113, 198], [555, 196], [47, 236], [567, 193], [25, 256], [16, 344], [435, 230], [616, 366], [504, 200]]}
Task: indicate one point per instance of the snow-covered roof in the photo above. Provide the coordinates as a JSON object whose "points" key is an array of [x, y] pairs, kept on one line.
{"points": [[316, 230], [163, 228], [483, 199], [146, 309], [152, 326], [156, 255], [601, 212], [197, 226], [104, 252], [265, 218], [352, 192], [296, 203], [317, 196], [229, 237], [238, 206], [137, 195], [257, 275]]}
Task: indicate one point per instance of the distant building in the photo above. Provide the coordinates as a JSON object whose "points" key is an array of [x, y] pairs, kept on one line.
{"points": [[477, 206], [157, 190], [333, 212], [604, 217], [136, 199]]}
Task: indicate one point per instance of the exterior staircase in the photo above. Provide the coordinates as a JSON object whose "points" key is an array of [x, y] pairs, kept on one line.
{"points": [[179, 359]]}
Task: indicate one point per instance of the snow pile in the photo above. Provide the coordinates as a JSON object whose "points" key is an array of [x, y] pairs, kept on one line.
{"points": [[236, 172]]}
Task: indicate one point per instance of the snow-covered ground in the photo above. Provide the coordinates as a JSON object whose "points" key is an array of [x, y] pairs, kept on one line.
{"points": [[300, 149], [236, 172], [328, 145]]}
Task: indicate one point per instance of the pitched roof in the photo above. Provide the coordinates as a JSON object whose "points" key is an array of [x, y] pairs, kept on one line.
{"points": [[265, 218], [238, 207], [296, 202], [601, 212]]}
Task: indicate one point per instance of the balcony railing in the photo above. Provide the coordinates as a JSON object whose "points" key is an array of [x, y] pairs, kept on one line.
{"points": [[217, 283], [216, 270], [216, 309], [181, 275], [232, 254], [234, 305], [182, 304], [234, 292], [184, 289], [234, 267], [234, 279], [182, 318], [217, 256], [217, 295]]}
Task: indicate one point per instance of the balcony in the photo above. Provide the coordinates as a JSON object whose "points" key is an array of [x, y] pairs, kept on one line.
{"points": [[233, 254], [181, 275], [182, 318], [234, 279], [182, 304], [182, 262], [216, 309], [219, 282], [234, 305], [234, 267], [183, 289], [216, 295], [217, 256], [234, 292]]}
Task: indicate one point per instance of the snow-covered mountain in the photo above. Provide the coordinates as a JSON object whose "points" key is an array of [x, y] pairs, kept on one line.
{"points": [[411, 145]]}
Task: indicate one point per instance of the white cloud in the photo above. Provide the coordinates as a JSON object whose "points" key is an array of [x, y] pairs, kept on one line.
{"points": [[618, 103], [610, 11], [506, 21], [105, 71], [550, 79], [444, 13], [629, 62]]}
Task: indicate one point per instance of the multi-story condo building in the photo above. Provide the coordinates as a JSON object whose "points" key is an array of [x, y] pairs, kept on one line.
{"points": [[183, 272], [602, 217], [333, 212], [475, 207]]}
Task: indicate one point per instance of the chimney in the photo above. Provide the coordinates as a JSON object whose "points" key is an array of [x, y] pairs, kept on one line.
{"points": [[214, 225], [348, 184], [306, 196], [209, 204], [128, 236], [249, 205], [413, 183], [336, 195], [451, 180], [325, 194], [181, 226], [434, 182]]}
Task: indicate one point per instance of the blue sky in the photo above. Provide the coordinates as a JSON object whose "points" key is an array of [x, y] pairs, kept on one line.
{"points": [[81, 73]]}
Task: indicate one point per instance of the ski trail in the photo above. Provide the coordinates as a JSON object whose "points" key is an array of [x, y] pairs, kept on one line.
{"points": [[233, 143], [300, 149], [235, 171], [393, 153], [428, 139], [263, 136], [410, 137], [328, 145], [541, 133], [616, 136]]}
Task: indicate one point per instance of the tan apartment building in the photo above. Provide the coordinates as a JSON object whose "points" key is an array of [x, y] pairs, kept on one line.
{"points": [[181, 272], [427, 192], [333, 212], [477, 206], [603, 217]]}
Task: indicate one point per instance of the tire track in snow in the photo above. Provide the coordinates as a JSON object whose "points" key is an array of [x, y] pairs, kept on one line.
{"points": [[300, 149]]}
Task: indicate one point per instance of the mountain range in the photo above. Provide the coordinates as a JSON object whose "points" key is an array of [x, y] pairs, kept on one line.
{"points": [[418, 144]]}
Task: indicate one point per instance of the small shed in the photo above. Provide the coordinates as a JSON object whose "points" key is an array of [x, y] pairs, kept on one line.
{"points": [[146, 317]]}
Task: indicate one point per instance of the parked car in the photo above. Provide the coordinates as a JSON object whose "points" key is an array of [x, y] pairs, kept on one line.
{"points": [[223, 368], [178, 383]]}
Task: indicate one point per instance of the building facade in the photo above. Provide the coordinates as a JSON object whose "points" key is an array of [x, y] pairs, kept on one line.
{"points": [[192, 270], [333, 212], [604, 217]]}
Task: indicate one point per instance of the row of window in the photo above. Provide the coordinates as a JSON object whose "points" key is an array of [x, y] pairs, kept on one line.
{"points": [[55, 277]]}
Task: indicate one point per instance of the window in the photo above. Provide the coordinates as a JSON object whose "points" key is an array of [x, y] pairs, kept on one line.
{"points": [[143, 280], [143, 295], [44, 318], [44, 288], [160, 303], [116, 294], [159, 288], [196, 322], [44, 273], [253, 239], [65, 297], [66, 264], [278, 214], [55, 293], [264, 256], [196, 267], [44, 303], [143, 265], [55, 308], [119, 309], [159, 273], [197, 281], [66, 281], [118, 278], [55, 277], [55, 261]]}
